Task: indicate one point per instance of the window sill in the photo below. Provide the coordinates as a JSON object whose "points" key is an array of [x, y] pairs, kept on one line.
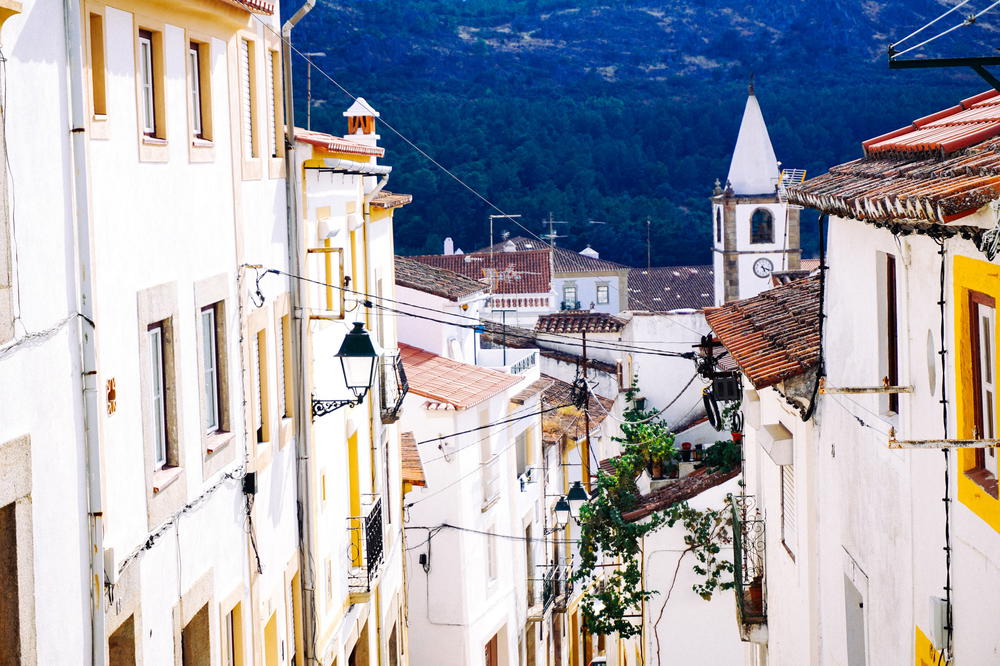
{"points": [[488, 504], [198, 142], [985, 480], [153, 141], [216, 441], [163, 477], [153, 149], [99, 126]]}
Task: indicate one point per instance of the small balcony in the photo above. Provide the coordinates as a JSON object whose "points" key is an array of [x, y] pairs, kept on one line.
{"points": [[365, 552], [392, 387], [748, 569], [551, 590], [512, 360], [569, 305]]}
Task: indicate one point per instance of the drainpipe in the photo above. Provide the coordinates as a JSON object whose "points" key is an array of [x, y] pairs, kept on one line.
{"points": [[303, 394], [73, 22]]}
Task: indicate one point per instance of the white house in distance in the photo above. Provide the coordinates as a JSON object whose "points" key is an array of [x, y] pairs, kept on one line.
{"points": [[476, 529], [754, 231]]}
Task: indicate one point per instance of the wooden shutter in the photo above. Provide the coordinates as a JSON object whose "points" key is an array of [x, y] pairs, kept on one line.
{"points": [[246, 62], [788, 517], [272, 144]]}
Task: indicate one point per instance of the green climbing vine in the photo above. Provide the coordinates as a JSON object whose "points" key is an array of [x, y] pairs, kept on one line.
{"points": [[607, 537]]}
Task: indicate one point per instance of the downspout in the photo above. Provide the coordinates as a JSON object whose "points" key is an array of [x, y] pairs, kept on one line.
{"points": [[303, 406], [73, 22]]}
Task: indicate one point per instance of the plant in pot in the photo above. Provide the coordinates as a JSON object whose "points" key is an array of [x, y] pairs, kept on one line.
{"points": [[660, 453]]}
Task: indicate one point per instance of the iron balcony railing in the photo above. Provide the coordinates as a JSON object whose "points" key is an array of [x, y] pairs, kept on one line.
{"points": [[748, 562], [525, 364], [393, 387], [553, 588], [569, 305], [366, 548]]}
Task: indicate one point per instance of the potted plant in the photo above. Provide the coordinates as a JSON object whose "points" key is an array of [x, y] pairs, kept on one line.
{"points": [[659, 451], [699, 451], [686, 452]]}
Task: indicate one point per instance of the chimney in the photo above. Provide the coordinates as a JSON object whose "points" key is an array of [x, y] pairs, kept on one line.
{"points": [[509, 246], [449, 245], [590, 252], [361, 122]]}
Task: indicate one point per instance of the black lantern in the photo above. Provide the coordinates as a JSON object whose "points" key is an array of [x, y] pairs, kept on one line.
{"points": [[358, 355], [562, 512], [358, 358], [576, 498]]}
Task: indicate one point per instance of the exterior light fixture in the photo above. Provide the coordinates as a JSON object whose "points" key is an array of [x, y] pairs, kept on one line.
{"points": [[562, 512], [576, 498], [358, 356]]}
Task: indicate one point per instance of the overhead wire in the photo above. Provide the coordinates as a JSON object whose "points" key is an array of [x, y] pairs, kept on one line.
{"points": [[930, 23], [969, 20]]}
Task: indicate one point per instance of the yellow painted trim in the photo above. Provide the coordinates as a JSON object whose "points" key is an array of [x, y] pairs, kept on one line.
{"points": [[378, 214], [354, 483], [925, 654], [970, 275]]}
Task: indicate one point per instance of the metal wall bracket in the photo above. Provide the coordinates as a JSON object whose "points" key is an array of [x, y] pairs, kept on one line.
{"points": [[940, 443], [324, 407], [884, 388]]}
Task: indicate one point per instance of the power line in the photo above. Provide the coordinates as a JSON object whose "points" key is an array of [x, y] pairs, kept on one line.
{"points": [[387, 124], [512, 537], [569, 340], [969, 20], [930, 23]]}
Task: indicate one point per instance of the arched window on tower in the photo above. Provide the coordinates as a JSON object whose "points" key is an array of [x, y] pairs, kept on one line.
{"points": [[762, 226], [718, 225]]}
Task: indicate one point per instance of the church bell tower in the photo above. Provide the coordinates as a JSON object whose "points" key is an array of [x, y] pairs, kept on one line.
{"points": [[754, 231]]}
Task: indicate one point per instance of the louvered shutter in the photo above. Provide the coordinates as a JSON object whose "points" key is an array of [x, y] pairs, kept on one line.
{"points": [[247, 98], [788, 517], [271, 120]]}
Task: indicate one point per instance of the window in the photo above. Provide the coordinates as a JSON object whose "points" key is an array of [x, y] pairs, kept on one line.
{"points": [[273, 66], [158, 392], [788, 534], [982, 311], [491, 554], [603, 294], [98, 90], [196, 648], [147, 83], [285, 401], [569, 295], [260, 379], [521, 447], [232, 645], [121, 644], [10, 647], [210, 368], [891, 329], [248, 101], [761, 226], [718, 225], [199, 78]]}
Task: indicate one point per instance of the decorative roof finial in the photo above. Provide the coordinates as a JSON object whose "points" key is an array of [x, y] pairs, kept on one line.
{"points": [[751, 83], [718, 188]]}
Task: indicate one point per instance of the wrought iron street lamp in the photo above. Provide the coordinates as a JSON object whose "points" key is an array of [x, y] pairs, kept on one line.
{"points": [[562, 512], [358, 358], [576, 498]]}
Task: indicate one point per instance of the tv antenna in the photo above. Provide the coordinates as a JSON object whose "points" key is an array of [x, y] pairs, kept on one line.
{"points": [[552, 235]]}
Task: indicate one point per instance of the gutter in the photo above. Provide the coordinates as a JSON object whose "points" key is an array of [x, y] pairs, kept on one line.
{"points": [[73, 22], [299, 345]]}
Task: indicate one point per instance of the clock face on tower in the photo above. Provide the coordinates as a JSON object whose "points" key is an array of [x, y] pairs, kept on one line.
{"points": [[762, 267]]}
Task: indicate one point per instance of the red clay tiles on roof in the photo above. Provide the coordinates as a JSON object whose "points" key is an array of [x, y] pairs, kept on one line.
{"points": [[563, 260], [413, 468], [527, 272], [773, 336], [433, 280], [385, 199], [459, 385], [941, 168], [568, 420], [336, 144], [690, 486], [577, 322], [256, 6], [661, 289]]}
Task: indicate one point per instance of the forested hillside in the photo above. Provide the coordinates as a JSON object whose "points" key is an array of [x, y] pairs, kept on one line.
{"points": [[615, 112]]}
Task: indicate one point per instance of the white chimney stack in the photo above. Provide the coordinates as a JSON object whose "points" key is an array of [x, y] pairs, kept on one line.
{"points": [[449, 245], [590, 252]]}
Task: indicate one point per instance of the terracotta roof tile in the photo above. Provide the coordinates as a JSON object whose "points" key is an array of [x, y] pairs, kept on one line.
{"points": [[336, 144], [386, 199], [513, 272], [533, 389], [936, 170], [577, 322], [774, 335], [690, 486], [566, 357], [568, 420], [434, 280], [256, 6], [413, 468], [563, 259], [661, 289], [453, 383]]}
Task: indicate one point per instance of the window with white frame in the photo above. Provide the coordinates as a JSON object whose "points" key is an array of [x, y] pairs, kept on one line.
{"points": [[158, 393], [259, 357], [982, 317], [569, 295], [210, 368], [147, 82], [603, 294]]}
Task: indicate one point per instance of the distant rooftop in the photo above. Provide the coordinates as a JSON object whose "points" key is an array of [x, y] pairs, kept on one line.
{"points": [[336, 144], [255, 6], [451, 384], [568, 420], [578, 322], [665, 288], [435, 281], [386, 199], [512, 272], [563, 260]]}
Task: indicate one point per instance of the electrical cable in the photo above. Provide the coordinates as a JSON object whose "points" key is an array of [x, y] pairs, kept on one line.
{"points": [[370, 299], [512, 537], [932, 22], [821, 365], [392, 129], [949, 629], [969, 20]]}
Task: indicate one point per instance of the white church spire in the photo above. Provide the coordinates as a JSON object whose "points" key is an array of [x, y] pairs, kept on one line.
{"points": [[754, 169]]}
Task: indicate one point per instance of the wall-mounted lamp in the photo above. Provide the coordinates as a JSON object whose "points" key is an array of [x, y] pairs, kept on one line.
{"points": [[358, 355]]}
